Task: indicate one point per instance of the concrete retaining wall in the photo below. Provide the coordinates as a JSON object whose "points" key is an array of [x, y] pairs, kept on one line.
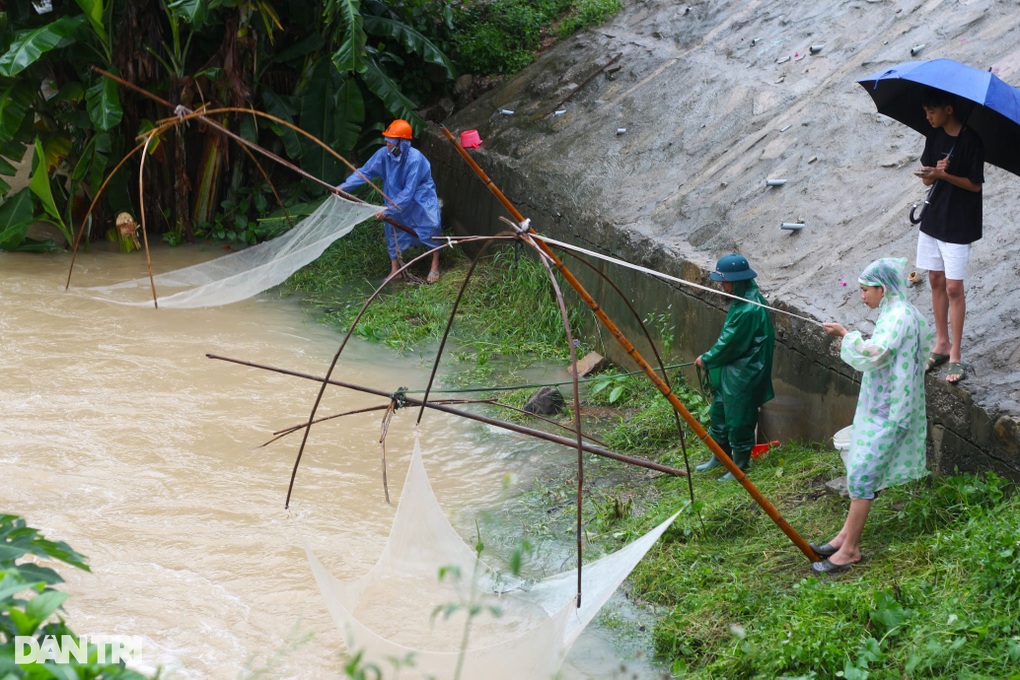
{"points": [[815, 392]]}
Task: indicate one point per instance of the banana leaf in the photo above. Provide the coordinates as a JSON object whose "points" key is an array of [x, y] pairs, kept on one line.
{"points": [[278, 106], [396, 103], [351, 54], [103, 101], [16, 215], [93, 10], [40, 186], [319, 117], [30, 45], [412, 40]]}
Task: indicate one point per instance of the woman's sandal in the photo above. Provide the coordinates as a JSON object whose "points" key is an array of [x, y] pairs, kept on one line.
{"points": [[934, 361], [828, 567], [957, 368], [433, 277]]}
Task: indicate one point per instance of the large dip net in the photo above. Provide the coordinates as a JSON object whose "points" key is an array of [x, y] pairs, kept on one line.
{"points": [[241, 275], [390, 612]]}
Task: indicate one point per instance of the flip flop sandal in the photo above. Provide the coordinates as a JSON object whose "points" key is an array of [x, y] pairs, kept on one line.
{"points": [[956, 368], [433, 277], [934, 361], [826, 550], [827, 567]]}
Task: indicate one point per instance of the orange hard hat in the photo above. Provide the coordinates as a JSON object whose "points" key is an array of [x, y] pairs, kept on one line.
{"points": [[399, 129]]}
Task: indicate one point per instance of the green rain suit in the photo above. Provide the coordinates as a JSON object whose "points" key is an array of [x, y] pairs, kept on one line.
{"points": [[740, 370], [887, 442]]}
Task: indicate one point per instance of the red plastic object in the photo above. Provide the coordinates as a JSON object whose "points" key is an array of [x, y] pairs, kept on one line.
{"points": [[469, 139], [761, 449]]}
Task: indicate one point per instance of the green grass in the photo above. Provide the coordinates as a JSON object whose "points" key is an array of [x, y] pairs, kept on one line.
{"points": [[504, 36], [937, 597], [502, 293], [938, 594]]}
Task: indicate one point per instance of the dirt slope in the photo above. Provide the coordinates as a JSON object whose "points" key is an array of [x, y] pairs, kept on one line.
{"points": [[716, 97]]}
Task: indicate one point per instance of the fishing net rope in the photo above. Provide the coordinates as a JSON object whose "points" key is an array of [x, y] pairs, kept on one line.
{"points": [[241, 275], [389, 612]]}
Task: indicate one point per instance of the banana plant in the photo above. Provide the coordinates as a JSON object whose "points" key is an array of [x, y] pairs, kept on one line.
{"points": [[55, 108], [365, 51]]}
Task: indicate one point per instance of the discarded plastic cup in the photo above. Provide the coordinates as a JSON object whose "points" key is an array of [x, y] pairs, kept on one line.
{"points": [[775, 182], [469, 139], [621, 131], [815, 49], [506, 112], [792, 226], [916, 49]]}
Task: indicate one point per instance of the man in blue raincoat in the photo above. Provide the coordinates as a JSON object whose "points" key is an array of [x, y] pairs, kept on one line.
{"points": [[407, 180], [739, 364]]}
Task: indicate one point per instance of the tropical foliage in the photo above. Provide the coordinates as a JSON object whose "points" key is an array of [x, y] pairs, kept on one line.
{"points": [[30, 605], [332, 67]]}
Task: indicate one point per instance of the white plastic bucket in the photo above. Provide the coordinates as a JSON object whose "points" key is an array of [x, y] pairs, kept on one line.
{"points": [[841, 440]]}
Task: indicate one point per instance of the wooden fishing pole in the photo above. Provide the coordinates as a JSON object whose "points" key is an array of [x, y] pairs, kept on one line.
{"points": [[437, 406], [634, 354]]}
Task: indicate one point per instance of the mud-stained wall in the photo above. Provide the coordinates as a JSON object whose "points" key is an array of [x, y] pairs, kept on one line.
{"points": [[815, 392]]}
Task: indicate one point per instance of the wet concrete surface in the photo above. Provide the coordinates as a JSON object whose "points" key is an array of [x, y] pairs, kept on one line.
{"points": [[715, 100]]}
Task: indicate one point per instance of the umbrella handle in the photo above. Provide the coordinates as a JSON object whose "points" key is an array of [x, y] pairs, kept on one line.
{"points": [[917, 219]]}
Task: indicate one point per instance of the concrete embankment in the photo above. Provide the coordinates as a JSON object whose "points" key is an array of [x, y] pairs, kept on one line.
{"points": [[712, 101]]}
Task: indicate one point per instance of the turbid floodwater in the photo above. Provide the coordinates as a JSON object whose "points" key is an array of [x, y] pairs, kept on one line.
{"points": [[121, 438]]}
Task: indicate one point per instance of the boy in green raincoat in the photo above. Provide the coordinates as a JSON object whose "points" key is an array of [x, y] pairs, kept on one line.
{"points": [[739, 364]]}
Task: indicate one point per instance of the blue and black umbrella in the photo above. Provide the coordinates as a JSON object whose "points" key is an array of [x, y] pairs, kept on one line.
{"points": [[985, 104]]}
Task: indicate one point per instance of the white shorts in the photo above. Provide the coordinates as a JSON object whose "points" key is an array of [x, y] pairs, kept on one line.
{"points": [[939, 256]]}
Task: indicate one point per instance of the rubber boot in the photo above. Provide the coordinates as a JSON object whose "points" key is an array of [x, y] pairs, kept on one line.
{"points": [[742, 460], [710, 464], [713, 462]]}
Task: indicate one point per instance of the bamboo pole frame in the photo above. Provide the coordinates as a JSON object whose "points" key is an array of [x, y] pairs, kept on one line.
{"points": [[635, 355]]}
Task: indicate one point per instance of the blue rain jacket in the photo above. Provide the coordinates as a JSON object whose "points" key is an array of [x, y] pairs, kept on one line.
{"points": [[407, 181]]}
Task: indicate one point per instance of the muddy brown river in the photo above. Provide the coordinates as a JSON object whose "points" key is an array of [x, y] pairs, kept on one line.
{"points": [[121, 438]]}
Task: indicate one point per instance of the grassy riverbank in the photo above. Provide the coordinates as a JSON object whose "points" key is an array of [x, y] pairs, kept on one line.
{"points": [[937, 596]]}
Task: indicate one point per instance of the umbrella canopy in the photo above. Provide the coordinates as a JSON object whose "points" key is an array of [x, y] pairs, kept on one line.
{"points": [[986, 104]]}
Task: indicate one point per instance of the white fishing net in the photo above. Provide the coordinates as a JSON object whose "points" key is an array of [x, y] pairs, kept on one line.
{"points": [[240, 275], [389, 613]]}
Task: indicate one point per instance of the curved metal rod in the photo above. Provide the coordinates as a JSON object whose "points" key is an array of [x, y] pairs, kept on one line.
{"points": [[202, 112], [88, 213], [512, 427], [449, 325], [545, 260], [279, 434], [336, 357]]}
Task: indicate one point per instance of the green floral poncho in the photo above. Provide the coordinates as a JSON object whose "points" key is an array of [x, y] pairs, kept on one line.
{"points": [[887, 442]]}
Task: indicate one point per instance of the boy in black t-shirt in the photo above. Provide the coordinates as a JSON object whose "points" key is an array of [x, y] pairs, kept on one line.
{"points": [[954, 156]]}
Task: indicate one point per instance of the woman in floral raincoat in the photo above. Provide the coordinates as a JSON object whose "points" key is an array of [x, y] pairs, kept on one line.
{"points": [[887, 441]]}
